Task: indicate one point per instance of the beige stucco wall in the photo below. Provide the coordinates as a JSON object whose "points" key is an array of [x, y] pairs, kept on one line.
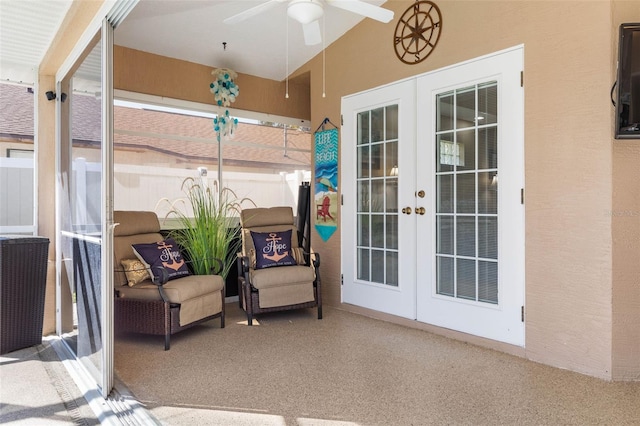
{"points": [[569, 52], [137, 71], [45, 143]]}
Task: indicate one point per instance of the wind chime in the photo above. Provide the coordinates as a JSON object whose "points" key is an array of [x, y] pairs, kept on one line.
{"points": [[225, 91]]}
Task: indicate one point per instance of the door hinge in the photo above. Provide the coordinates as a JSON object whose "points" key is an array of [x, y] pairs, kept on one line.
{"points": [[521, 195], [521, 78], [341, 279], [342, 199], [341, 120], [522, 313]]}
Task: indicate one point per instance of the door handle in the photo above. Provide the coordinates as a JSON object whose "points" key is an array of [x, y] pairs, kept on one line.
{"points": [[420, 210], [406, 210], [421, 194]]}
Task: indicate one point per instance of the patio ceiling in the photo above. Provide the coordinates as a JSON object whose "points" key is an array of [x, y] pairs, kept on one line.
{"points": [[194, 31], [190, 30]]}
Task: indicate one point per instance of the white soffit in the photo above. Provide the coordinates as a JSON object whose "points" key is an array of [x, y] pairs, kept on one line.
{"points": [[27, 28]]}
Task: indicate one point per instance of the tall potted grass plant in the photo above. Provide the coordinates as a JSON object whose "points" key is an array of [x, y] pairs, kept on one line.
{"points": [[212, 233]]}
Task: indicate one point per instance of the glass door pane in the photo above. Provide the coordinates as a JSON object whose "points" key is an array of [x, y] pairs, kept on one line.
{"points": [[377, 191], [80, 179], [466, 193]]}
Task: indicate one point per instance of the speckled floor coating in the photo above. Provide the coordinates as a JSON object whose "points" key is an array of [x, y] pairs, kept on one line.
{"points": [[35, 389], [348, 369]]}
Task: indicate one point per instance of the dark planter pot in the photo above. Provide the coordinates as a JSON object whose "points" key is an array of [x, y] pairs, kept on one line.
{"points": [[23, 278]]}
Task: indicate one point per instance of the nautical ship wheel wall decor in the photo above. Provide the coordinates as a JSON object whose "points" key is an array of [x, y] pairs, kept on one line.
{"points": [[417, 32]]}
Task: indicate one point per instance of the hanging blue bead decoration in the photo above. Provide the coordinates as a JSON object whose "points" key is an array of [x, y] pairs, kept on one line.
{"points": [[225, 91]]}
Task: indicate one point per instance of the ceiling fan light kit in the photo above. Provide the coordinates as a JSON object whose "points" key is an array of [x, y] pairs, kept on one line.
{"points": [[305, 11]]}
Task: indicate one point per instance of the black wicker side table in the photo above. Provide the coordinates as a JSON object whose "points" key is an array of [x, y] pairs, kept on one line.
{"points": [[23, 276]]}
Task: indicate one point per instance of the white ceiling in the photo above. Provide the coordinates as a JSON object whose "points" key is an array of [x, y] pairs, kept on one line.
{"points": [[26, 30], [191, 30], [194, 30]]}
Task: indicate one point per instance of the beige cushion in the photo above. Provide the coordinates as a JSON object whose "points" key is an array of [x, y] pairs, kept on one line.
{"points": [[298, 255], [251, 218], [286, 295], [200, 307], [177, 290], [198, 295], [135, 222], [281, 276], [135, 271]]}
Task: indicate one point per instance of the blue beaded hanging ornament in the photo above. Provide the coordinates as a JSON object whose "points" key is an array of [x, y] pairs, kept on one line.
{"points": [[225, 91]]}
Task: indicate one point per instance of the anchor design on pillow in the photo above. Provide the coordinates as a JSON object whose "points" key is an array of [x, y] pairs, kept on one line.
{"points": [[273, 246], [168, 257]]}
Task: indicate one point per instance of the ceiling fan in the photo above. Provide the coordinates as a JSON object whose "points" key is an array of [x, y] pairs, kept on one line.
{"points": [[307, 12]]}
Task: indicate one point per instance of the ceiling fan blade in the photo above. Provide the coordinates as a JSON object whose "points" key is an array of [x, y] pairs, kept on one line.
{"points": [[312, 34], [249, 13], [365, 9]]}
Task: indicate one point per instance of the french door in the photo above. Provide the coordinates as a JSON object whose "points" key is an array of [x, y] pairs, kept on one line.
{"points": [[379, 128], [471, 273], [460, 231]]}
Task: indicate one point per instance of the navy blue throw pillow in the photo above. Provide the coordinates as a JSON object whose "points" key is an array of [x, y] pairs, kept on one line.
{"points": [[162, 254], [273, 249]]}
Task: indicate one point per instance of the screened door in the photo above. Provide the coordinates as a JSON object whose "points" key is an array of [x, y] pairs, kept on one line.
{"points": [[84, 199], [80, 233]]}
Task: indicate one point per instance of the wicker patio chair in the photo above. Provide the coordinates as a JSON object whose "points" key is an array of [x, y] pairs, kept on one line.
{"points": [[163, 307], [274, 274]]}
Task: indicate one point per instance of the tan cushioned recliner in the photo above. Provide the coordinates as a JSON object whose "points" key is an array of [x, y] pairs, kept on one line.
{"points": [[198, 297], [280, 287]]}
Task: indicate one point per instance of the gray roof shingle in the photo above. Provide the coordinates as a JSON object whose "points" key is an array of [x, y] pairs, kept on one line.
{"points": [[178, 135]]}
